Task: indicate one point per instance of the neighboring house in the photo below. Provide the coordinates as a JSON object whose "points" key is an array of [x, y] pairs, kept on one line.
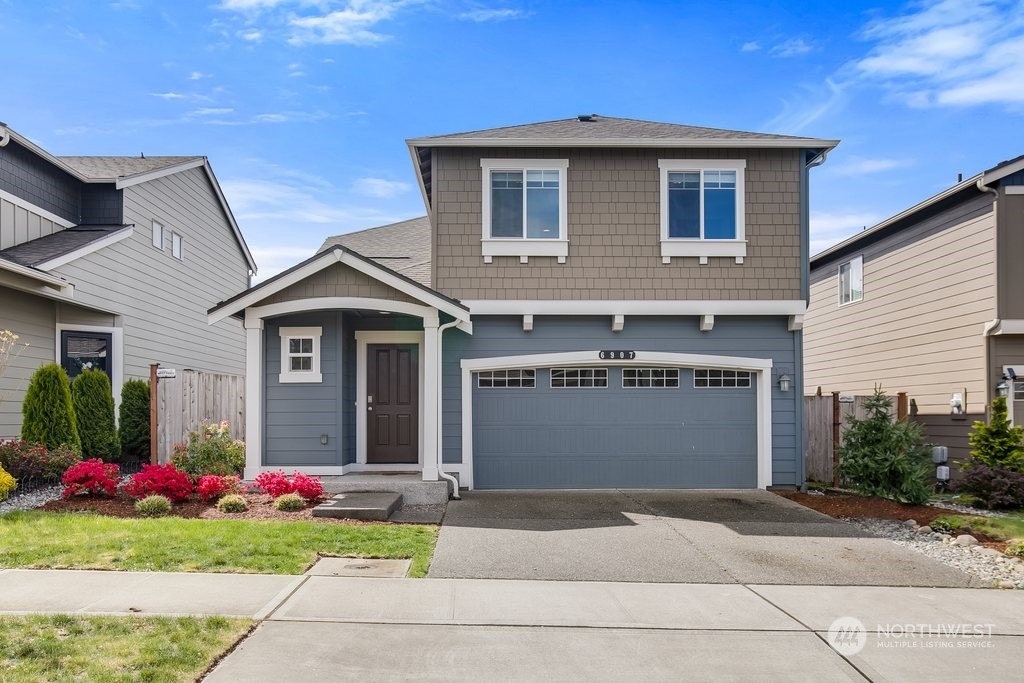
{"points": [[111, 262], [927, 302], [589, 303]]}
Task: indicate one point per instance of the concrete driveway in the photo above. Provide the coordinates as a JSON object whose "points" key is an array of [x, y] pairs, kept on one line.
{"points": [[668, 536]]}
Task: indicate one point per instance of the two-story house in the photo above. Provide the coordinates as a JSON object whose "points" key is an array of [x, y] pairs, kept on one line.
{"points": [[928, 302], [589, 303], [112, 263]]}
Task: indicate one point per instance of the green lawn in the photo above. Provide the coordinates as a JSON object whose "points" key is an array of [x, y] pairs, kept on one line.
{"points": [[62, 647], [1001, 528], [84, 541]]}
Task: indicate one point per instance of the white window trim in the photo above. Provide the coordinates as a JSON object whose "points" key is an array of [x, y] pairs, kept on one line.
{"points": [[696, 246], [117, 344], [289, 376], [839, 281], [157, 228], [524, 247], [181, 246]]}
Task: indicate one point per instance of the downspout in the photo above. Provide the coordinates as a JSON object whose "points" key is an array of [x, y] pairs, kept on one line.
{"points": [[5, 135], [993, 325], [440, 413]]}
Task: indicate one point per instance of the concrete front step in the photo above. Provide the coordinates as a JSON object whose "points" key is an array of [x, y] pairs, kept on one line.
{"points": [[376, 506], [414, 490]]}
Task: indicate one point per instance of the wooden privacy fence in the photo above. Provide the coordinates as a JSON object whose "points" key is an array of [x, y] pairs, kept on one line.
{"points": [[825, 423], [190, 398]]}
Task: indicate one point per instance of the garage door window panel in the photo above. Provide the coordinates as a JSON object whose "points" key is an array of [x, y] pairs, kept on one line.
{"points": [[650, 378], [579, 378], [507, 379], [721, 379]]}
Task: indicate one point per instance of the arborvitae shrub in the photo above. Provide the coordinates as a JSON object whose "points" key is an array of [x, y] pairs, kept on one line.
{"points": [[48, 416], [94, 415], [133, 419]]}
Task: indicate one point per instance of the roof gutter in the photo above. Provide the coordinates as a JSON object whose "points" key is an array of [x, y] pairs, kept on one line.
{"points": [[625, 142]]}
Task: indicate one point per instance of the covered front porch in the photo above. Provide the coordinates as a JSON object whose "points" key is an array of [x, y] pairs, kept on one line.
{"points": [[343, 369]]}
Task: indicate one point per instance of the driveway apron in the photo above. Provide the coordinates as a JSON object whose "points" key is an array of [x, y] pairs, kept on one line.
{"points": [[673, 536]]}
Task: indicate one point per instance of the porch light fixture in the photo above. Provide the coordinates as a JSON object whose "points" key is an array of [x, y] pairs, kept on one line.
{"points": [[1003, 389], [785, 382]]}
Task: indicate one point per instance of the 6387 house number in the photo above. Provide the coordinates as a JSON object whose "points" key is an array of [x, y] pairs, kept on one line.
{"points": [[617, 355]]}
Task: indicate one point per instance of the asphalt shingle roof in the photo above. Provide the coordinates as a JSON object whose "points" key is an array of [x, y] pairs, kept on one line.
{"points": [[43, 249], [403, 247], [604, 128], [109, 168]]}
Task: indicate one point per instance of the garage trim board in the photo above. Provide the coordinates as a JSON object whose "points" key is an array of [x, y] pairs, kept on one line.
{"points": [[761, 366]]}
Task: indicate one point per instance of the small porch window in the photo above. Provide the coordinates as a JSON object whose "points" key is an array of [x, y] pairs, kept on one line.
{"points": [[300, 354]]}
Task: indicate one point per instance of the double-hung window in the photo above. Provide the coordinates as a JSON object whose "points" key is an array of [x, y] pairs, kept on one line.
{"points": [[702, 208], [524, 208], [851, 281], [300, 355]]}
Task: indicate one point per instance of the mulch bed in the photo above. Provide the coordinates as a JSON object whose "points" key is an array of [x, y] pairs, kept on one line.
{"points": [[260, 509], [847, 505]]}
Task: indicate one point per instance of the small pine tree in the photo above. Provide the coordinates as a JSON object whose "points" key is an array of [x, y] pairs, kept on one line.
{"points": [[94, 415], [997, 444], [133, 417], [48, 416], [882, 456]]}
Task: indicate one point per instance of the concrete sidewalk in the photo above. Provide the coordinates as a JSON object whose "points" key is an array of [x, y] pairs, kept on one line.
{"points": [[329, 627]]}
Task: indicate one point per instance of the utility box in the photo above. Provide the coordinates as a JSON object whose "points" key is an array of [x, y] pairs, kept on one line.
{"points": [[942, 473], [940, 456]]}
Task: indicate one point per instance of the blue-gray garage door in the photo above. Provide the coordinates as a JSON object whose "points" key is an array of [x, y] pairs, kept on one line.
{"points": [[614, 427]]}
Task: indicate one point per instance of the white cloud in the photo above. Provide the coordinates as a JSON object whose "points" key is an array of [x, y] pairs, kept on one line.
{"points": [[792, 48], [212, 111], [272, 259], [379, 187], [481, 15], [252, 35], [169, 95], [197, 75], [250, 5], [863, 166], [814, 104], [752, 46], [350, 25], [829, 228], [949, 53]]}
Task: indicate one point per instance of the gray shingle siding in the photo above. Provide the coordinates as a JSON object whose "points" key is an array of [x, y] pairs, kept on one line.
{"points": [[35, 180], [102, 205]]}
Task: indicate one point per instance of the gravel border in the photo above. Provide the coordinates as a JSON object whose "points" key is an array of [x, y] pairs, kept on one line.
{"points": [[30, 500], [989, 565]]}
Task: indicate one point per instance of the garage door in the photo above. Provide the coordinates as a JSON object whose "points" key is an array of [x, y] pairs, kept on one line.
{"points": [[612, 427]]}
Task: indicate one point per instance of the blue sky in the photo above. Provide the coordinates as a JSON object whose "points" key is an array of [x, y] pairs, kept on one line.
{"points": [[303, 106]]}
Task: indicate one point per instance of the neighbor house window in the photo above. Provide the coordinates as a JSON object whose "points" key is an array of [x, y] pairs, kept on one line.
{"points": [[851, 281], [721, 379], [653, 378], [579, 378], [300, 354], [702, 207], [158, 235], [177, 245], [506, 379], [524, 207]]}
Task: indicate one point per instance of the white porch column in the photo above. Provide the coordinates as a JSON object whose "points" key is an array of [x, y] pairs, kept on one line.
{"points": [[253, 396], [431, 382]]}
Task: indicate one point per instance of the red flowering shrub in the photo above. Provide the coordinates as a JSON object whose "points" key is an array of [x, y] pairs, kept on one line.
{"points": [[91, 477], [306, 486], [160, 480], [26, 460], [274, 483], [213, 486]]}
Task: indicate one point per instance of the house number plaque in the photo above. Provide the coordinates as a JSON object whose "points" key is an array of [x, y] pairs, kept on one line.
{"points": [[617, 355]]}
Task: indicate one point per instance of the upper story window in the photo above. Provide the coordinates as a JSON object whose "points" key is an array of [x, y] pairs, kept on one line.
{"points": [[702, 208], [524, 208], [158, 235], [177, 246], [300, 354], [851, 281]]}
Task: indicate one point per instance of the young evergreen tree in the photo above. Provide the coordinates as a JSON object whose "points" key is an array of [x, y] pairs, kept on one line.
{"points": [[47, 414], [133, 417], [997, 444], [94, 415], [882, 456]]}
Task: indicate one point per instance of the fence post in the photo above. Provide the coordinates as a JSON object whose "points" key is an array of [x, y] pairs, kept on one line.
{"points": [[153, 413], [837, 424], [902, 406]]}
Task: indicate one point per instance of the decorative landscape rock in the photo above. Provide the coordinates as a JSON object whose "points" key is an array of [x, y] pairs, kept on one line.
{"points": [[966, 540], [910, 522], [924, 529]]}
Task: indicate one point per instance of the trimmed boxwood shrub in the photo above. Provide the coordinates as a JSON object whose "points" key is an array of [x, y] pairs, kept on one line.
{"points": [[153, 506], [94, 415], [232, 503], [290, 502], [48, 416], [133, 419]]}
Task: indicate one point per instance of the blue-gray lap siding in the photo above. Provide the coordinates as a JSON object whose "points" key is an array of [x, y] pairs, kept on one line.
{"points": [[545, 460]]}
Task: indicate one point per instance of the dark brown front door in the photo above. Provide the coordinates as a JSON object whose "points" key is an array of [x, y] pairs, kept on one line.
{"points": [[392, 403]]}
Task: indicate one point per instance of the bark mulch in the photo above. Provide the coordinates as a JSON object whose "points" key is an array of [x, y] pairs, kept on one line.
{"points": [[852, 505]]}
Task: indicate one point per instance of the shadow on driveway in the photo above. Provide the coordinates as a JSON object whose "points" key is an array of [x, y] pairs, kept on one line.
{"points": [[718, 536]]}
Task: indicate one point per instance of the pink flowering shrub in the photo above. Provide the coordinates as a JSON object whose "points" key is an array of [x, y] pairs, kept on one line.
{"points": [[160, 480], [91, 477], [213, 486], [277, 484]]}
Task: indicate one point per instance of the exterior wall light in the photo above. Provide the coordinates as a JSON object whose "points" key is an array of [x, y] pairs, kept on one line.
{"points": [[785, 382], [1003, 389]]}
